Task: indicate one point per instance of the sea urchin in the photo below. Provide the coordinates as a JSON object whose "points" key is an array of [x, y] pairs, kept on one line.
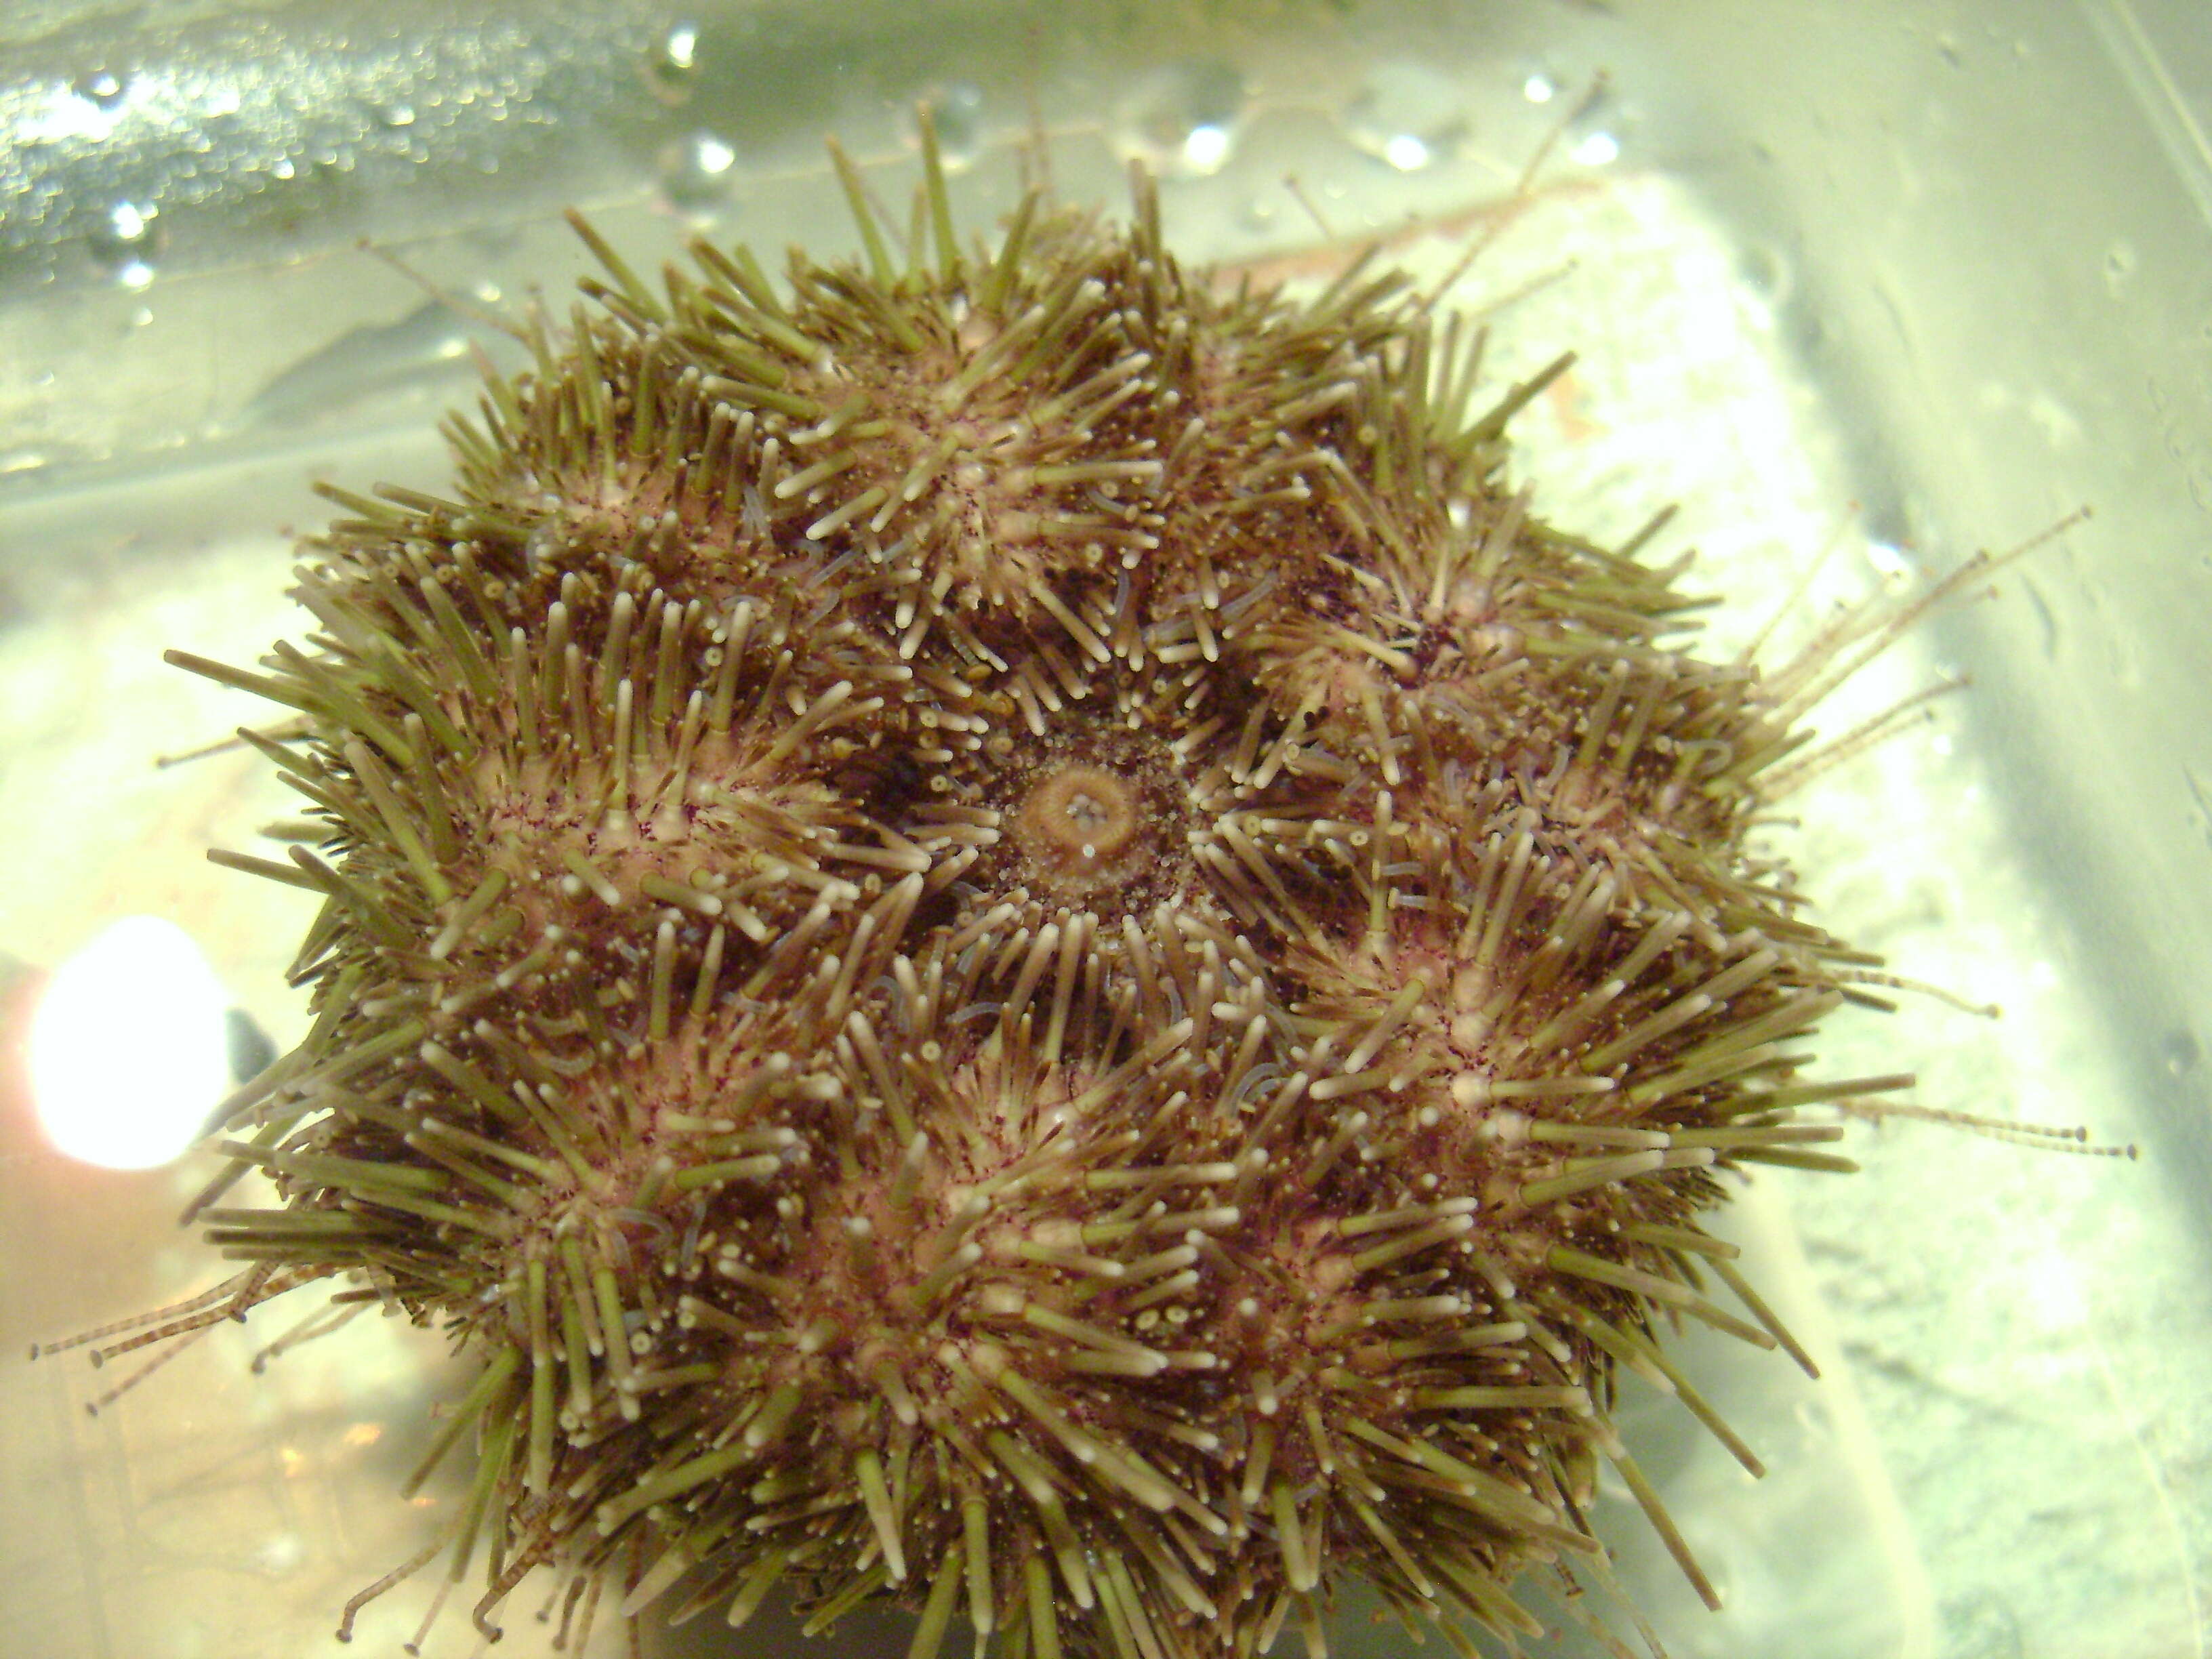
{"points": [[998, 932]]}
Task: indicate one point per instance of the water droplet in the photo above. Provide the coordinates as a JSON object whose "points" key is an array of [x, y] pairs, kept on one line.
{"points": [[1814, 1420], [101, 89], [672, 71], [250, 1051], [698, 173], [1181, 121], [1206, 150], [2180, 1052], [2120, 263], [127, 242], [1539, 88], [1407, 115], [1767, 272], [2200, 815], [1889, 560], [958, 111], [285, 1551], [1597, 149], [1599, 129], [395, 115]]}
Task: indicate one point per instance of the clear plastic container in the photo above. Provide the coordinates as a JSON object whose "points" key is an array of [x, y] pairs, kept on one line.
{"points": [[1908, 279]]}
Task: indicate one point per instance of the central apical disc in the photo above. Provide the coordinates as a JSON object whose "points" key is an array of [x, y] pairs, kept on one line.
{"points": [[1081, 820]]}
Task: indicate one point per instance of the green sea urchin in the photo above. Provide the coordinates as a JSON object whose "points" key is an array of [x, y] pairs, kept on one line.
{"points": [[998, 932]]}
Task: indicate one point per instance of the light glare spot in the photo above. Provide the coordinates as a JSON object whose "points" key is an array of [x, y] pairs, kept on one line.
{"points": [[1206, 149], [1407, 153], [1888, 561], [127, 1052], [1597, 150], [284, 1552], [713, 156]]}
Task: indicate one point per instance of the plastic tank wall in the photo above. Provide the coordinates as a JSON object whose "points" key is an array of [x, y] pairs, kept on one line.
{"points": [[1898, 280]]}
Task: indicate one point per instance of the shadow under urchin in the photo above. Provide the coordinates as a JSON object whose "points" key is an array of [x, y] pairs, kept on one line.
{"points": [[1000, 932]]}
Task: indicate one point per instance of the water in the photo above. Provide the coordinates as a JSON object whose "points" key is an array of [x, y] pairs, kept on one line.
{"points": [[2000, 1461]]}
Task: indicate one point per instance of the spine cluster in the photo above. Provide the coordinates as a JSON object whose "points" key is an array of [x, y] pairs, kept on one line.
{"points": [[997, 931]]}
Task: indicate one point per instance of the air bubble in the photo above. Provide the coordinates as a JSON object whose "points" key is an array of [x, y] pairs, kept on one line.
{"points": [[698, 173], [1768, 272], [1597, 149], [283, 1553], [127, 243], [2120, 263], [1408, 116], [957, 112], [1599, 131], [101, 89], [672, 71], [1181, 122], [1889, 560]]}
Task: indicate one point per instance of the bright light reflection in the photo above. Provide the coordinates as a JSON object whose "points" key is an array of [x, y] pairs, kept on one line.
{"points": [[1407, 153], [1205, 148], [127, 1051], [713, 156], [1889, 561], [1597, 150]]}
